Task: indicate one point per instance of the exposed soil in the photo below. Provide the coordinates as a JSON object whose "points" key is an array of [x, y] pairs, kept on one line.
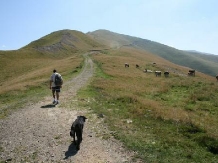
{"points": [[40, 132]]}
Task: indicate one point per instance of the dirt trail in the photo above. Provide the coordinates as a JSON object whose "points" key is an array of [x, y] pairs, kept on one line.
{"points": [[40, 132]]}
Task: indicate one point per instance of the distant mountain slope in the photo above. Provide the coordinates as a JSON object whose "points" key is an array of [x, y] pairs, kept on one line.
{"points": [[205, 56], [184, 58]]}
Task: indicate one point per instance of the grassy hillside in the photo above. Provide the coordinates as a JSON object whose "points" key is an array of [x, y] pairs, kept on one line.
{"points": [[210, 59], [164, 120], [174, 55], [25, 72]]}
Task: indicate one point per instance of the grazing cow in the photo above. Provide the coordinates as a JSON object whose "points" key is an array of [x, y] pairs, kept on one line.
{"points": [[166, 73], [146, 70], [217, 77], [137, 66], [126, 64], [191, 73], [158, 73]]}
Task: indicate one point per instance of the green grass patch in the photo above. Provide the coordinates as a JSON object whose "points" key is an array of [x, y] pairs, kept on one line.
{"points": [[154, 139], [14, 100], [163, 120], [100, 72]]}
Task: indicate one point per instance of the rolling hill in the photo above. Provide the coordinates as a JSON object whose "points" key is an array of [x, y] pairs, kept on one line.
{"points": [[64, 40], [203, 63]]}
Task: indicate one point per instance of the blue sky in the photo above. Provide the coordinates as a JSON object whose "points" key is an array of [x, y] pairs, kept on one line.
{"points": [[182, 24]]}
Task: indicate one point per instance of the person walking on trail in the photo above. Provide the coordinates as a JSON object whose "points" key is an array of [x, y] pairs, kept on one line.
{"points": [[56, 82]]}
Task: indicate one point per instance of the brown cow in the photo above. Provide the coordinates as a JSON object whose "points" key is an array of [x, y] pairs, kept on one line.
{"points": [[191, 73], [137, 66], [217, 77], [126, 64]]}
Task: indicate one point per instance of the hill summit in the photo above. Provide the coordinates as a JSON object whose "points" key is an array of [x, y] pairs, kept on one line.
{"points": [[64, 40]]}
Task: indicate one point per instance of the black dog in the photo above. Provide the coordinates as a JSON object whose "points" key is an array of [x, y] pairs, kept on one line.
{"points": [[77, 128]]}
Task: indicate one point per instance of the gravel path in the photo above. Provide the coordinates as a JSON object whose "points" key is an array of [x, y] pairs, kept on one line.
{"points": [[40, 132]]}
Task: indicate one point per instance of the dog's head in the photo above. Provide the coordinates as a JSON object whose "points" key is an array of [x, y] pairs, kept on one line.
{"points": [[83, 118]]}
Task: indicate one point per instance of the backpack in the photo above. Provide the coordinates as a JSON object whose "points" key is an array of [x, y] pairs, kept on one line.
{"points": [[58, 80]]}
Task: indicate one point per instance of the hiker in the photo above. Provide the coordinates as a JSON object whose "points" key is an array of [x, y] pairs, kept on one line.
{"points": [[56, 82]]}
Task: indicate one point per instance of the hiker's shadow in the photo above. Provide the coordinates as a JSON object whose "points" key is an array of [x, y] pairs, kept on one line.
{"points": [[48, 106], [71, 151]]}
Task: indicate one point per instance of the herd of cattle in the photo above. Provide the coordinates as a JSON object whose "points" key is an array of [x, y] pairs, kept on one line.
{"points": [[166, 73], [157, 73]]}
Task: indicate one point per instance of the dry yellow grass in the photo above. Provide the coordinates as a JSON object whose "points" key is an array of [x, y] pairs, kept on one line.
{"points": [[149, 90], [23, 72]]}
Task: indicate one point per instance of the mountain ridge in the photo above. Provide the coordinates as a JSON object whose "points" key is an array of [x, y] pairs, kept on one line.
{"points": [[71, 41]]}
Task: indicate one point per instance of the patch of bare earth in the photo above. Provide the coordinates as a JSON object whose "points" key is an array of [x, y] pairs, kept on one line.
{"points": [[40, 132]]}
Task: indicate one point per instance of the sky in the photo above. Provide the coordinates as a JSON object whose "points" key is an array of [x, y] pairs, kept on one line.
{"points": [[182, 24]]}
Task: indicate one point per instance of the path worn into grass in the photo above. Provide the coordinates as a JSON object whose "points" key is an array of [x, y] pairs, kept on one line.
{"points": [[40, 132]]}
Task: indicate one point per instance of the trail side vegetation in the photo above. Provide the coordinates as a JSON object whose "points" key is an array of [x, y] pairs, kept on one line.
{"points": [[26, 78], [164, 119]]}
